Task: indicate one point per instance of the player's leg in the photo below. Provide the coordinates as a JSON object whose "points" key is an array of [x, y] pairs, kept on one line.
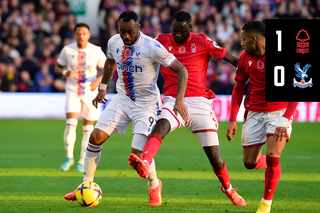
{"points": [[167, 123], [210, 143], [69, 139], [252, 157], [273, 171], [92, 158], [154, 183], [87, 128], [253, 138], [111, 120], [274, 150], [72, 108], [89, 114]]}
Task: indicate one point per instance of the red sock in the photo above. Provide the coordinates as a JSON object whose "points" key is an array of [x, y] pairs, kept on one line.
{"points": [[262, 162], [223, 176], [272, 176], [152, 147]]}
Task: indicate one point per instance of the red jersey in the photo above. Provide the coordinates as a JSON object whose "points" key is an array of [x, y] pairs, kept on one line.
{"points": [[252, 67], [194, 54]]}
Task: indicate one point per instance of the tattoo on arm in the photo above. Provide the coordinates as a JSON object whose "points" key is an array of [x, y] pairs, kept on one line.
{"points": [[109, 69], [182, 73]]}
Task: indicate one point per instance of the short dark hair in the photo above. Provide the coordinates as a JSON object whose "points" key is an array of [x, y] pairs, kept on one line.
{"points": [[81, 25], [128, 15], [254, 26], [182, 16]]}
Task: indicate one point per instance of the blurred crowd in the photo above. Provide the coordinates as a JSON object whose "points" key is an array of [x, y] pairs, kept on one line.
{"points": [[33, 32]]}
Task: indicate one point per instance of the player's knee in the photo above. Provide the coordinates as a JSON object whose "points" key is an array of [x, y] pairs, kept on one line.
{"points": [[249, 166], [217, 163], [97, 137], [162, 128], [273, 161]]}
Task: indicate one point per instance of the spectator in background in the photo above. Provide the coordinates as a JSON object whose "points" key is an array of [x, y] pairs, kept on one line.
{"points": [[10, 78], [44, 79], [29, 62], [25, 83]]}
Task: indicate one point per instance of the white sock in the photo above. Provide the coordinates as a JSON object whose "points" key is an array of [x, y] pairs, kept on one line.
{"points": [[69, 136], [91, 160], [87, 129], [153, 180], [267, 201]]}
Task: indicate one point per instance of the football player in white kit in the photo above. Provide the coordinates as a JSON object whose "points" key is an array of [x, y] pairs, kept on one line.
{"points": [[78, 61], [137, 59]]}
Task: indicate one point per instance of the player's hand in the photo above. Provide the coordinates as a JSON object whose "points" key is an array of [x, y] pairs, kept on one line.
{"points": [[94, 85], [100, 98], [232, 129], [281, 129], [180, 107], [70, 74]]}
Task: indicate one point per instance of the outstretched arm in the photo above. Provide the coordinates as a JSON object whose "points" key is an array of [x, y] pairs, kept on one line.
{"points": [[109, 68], [182, 73]]}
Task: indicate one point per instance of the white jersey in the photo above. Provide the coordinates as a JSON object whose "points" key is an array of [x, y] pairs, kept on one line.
{"points": [[84, 63], [138, 67]]}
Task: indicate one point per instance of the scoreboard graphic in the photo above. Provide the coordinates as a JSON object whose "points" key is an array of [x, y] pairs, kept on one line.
{"points": [[292, 60]]}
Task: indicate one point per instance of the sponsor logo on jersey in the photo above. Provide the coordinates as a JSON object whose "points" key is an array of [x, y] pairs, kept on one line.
{"points": [[170, 47], [182, 49], [260, 64], [302, 74], [129, 68]]}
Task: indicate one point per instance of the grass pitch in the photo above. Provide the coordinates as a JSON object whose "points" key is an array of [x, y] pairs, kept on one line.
{"points": [[31, 152]]}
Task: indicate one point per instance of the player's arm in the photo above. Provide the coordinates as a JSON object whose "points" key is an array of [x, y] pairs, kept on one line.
{"points": [[236, 99], [182, 75], [60, 70], [281, 126], [95, 84], [231, 59], [109, 68]]}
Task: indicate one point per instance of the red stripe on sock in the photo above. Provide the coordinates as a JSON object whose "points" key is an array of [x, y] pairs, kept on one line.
{"points": [[223, 176], [152, 147]]}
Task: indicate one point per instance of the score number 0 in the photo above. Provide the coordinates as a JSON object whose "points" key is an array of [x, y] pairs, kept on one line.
{"points": [[276, 81]]}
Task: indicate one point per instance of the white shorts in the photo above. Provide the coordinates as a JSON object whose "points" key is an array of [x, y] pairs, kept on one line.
{"points": [[202, 119], [120, 112], [82, 105], [258, 125]]}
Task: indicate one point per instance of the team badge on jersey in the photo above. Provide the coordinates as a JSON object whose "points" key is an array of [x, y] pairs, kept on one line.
{"points": [[193, 47], [182, 49], [302, 74]]}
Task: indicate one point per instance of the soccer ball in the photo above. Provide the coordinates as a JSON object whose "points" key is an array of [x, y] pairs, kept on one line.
{"points": [[89, 194]]}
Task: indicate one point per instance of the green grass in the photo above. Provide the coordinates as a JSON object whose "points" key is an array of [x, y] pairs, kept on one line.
{"points": [[31, 152]]}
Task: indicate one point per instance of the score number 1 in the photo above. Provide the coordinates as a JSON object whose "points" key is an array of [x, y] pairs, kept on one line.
{"points": [[276, 81]]}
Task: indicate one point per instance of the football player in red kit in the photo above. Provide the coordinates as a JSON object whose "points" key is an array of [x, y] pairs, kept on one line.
{"points": [[263, 121], [194, 52]]}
